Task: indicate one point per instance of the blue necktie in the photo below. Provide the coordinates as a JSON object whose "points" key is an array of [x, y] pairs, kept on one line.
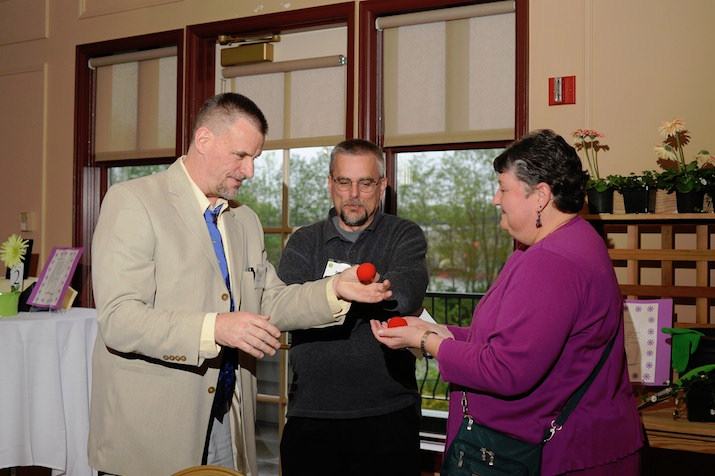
{"points": [[227, 375]]}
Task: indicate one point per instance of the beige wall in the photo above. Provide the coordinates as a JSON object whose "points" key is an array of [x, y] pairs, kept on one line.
{"points": [[636, 63]]}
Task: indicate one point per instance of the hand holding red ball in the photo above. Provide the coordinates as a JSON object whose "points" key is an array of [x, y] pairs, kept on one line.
{"points": [[366, 273], [396, 321]]}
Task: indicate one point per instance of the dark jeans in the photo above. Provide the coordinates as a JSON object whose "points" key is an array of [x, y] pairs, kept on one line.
{"points": [[386, 445]]}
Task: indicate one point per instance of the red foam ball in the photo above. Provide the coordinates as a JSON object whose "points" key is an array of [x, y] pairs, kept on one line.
{"points": [[396, 321], [366, 273]]}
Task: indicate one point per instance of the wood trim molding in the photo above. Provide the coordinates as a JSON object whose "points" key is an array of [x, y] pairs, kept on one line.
{"points": [[521, 125]]}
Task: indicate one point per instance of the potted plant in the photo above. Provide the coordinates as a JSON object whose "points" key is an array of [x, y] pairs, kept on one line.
{"points": [[638, 191], [599, 190], [11, 253], [688, 180]]}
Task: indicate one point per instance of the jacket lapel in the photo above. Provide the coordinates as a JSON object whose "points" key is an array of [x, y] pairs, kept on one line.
{"points": [[184, 202]]}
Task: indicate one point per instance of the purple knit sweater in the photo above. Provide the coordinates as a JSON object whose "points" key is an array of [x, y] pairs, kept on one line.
{"points": [[535, 337]]}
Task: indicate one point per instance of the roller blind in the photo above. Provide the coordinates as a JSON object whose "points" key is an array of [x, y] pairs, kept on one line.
{"points": [[136, 105], [449, 81], [303, 100]]}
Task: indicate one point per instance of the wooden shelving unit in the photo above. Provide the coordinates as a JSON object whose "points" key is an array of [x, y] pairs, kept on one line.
{"points": [[671, 257], [666, 244], [683, 435]]}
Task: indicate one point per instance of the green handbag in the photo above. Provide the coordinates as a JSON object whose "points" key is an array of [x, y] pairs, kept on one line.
{"points": [[482, 451]]}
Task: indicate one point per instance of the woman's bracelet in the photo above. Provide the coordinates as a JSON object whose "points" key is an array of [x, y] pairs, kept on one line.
{"points": [[423, 341]]}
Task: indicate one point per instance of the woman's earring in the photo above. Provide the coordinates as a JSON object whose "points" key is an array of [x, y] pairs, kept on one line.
{"points": [[538, 219]]}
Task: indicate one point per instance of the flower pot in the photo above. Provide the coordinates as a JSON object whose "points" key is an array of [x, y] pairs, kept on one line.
{"points": [[700, 397], [8, 303], [600, 202], [700, 402], [639, 200], [690, 202]]}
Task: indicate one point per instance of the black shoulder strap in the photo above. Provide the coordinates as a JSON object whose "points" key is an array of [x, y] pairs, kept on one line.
{"points": [[576, 397]]}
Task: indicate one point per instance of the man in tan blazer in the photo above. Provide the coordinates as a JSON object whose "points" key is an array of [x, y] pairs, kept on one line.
{"points": [[164, 308]]}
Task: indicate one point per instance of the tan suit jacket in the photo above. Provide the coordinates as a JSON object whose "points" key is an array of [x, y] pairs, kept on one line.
{"points": [[155, 276]]}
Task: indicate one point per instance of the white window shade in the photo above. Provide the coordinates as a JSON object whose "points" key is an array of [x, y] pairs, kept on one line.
{"points": [[450, 81], [136, 109], [303, 107]]}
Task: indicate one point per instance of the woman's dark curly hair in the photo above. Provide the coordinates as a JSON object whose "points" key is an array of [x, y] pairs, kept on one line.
{"points": [[544, 156]]}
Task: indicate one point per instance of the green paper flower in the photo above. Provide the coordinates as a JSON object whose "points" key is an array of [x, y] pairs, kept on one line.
{"points": [[13, 250]]}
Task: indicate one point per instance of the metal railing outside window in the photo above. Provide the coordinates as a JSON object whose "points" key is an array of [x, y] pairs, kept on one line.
{"points": [[445, 308]]}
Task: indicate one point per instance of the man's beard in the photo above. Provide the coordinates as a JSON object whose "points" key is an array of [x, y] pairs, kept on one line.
{"points": [[226, 192], [355, 220]]}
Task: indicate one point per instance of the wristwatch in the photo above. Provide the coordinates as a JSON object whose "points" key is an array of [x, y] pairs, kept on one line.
{"points": [[423, 341]]}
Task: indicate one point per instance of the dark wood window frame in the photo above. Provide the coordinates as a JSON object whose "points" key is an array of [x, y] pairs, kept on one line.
{"points": [[369, 88], [90, 178]]}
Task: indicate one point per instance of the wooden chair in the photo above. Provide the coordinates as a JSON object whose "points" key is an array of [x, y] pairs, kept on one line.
{"points": [[208, 471]]}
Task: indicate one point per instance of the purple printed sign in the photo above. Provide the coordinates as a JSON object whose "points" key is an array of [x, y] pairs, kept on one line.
{"points": [[55, 278], [647, 347]]}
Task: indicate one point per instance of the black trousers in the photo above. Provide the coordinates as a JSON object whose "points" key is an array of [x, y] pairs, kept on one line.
{"points": [[386, 445]]}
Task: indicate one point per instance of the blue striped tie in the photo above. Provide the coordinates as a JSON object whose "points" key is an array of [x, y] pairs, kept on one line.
{"points": [[227, 375]]}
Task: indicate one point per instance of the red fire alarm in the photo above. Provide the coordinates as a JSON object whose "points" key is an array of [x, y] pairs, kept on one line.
{"points": [[562, 90]]}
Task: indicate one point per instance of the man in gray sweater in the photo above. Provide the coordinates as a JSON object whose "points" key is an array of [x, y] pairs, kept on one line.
{"points": [[353, 404]]}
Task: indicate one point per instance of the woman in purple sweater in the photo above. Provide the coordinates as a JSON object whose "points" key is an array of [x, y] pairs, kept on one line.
{"points": [[543, 326]]}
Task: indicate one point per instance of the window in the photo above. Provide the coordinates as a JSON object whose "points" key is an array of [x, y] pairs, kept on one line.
{"points": [[135, 105], [449, 193], [302, 92], [466, 66], [122, 174], [440, 135], [128, 114], [472, 65], [306, 94], [288, 190]]}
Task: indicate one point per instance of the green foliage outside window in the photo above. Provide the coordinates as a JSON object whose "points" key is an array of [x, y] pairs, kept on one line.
{"points": [[263, 191], [122, 174], [449, 195], [307, 194], [308, 198]]}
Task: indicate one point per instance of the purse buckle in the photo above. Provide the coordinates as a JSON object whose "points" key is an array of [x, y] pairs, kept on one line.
{"points": [[552, 431], [485, 452], [470, 422]]}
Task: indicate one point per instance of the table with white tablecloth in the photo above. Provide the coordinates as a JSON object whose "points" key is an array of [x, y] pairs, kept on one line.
{"points": [[45, 381]]}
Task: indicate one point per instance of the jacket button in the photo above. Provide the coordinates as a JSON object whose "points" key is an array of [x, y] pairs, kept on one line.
{"points": [[212, 389], [224, 296]]}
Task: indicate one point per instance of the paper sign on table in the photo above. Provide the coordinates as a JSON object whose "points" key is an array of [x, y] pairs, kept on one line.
{"points": [[55, 278]]}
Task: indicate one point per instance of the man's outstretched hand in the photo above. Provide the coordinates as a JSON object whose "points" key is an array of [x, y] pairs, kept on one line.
{"points": [[348, 287]]}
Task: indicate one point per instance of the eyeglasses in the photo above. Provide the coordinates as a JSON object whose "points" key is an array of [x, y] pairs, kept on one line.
{"points": [[364, 185]]}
